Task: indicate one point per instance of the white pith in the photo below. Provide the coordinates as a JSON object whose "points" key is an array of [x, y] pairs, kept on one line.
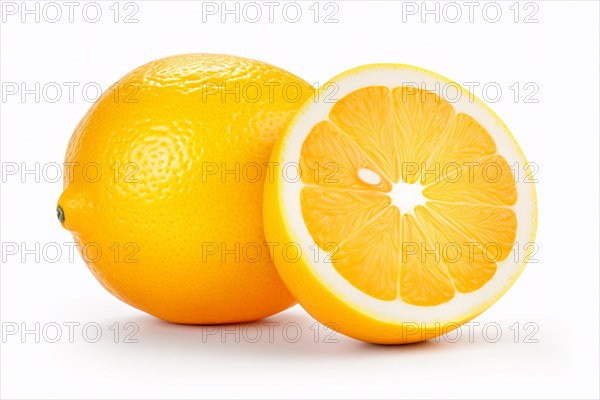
{"points": [[397, 311]]}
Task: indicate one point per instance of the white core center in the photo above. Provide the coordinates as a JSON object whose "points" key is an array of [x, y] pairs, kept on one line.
{"points": [[406, 196]]}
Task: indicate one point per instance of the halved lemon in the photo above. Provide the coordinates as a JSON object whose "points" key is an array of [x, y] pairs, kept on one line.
{"points": [[396, 189]]}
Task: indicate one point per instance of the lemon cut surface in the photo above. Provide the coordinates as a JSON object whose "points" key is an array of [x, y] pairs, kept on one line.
{"points": [[407, 209]]}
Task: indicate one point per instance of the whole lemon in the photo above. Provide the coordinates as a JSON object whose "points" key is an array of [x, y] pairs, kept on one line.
{"points": [[163, 187]]}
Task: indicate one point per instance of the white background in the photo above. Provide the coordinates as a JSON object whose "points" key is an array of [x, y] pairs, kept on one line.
{"points": [[559, 295]]}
